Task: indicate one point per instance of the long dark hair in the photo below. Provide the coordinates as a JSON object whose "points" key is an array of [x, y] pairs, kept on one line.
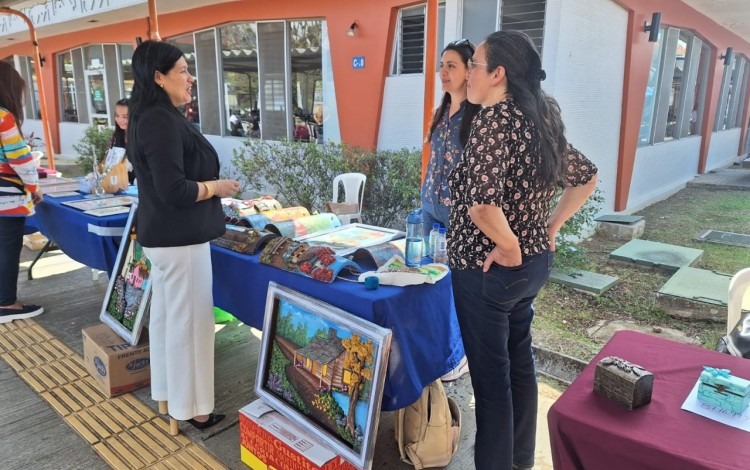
{"points": [[465, 49], [118, 137], [149, 57], [514, 51], [11, 92]]}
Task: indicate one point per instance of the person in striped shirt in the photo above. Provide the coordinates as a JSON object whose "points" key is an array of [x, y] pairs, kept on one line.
{"points": [[19, 193]]}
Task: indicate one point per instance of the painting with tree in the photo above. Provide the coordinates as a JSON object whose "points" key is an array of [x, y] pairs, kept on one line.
{"points": [[129, 291], [325, 369]]}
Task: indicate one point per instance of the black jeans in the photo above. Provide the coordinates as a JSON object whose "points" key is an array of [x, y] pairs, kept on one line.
{"points": [[11, 242], [495, 312]]}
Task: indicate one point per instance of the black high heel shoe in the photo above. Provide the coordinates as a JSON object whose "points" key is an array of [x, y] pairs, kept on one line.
{"points": [[212, 419]]}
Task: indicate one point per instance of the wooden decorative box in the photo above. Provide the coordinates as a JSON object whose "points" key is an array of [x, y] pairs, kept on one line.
{"points": [[622, 382], [726, 391]]}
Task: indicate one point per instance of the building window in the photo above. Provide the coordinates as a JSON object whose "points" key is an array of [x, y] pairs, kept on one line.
{"points": [[239, 65], [699, 95], [410, 41], [647, 120], [126, 69], [270, 79], [733, 89], [525, 16], [676, 87], [25, 67], [744, 64], [68, 101], [306, 79], [186, 44]]}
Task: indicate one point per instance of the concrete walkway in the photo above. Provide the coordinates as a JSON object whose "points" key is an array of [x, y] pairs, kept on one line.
{"points": [[54, 418]]}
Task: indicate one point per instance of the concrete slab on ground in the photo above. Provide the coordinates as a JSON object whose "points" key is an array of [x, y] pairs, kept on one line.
{"points": [[661, 256], [736, 179], [604, 329], [695, 294], [724, 238], [584, 281]]}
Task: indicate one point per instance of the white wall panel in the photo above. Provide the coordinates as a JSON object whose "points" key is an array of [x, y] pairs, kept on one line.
{"points": [[722, 150], [70, 134], [401, 115], [662, 169], [584, 57]]}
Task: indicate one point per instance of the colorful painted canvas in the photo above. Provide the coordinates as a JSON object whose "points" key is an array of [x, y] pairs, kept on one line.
{"points": [[304, 225], [325, 369], [347, 238], [373, 257], [129, 291]]}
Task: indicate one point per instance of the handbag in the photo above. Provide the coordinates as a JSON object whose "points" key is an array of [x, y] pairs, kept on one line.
{"points": [[737, 342], [116, 178]]}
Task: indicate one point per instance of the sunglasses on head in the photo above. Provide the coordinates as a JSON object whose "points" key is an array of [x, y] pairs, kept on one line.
{"points": [[462, 43]]}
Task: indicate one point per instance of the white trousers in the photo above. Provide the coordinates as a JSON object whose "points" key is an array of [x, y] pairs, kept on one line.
{"points": [[181, 329]]}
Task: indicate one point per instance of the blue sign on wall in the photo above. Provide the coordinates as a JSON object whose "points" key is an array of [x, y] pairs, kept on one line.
{"points": [[358, 62]]}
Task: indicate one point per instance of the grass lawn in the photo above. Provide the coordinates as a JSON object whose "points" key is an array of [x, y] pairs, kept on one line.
{"points": [[563, 315]]}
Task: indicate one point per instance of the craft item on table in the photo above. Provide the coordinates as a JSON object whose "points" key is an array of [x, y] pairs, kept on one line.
{"points": [[87, 205], [395, 272], [243, 239], [63, 194], [304, 225], [317, 262], [717, 387], [261, 204], [373, 257], [58, 185], [260, 221], [107, 211], [622, 382], [232, 217], [111, 175], [347, 238]]}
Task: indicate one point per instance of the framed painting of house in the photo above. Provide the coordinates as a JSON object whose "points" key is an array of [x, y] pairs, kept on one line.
{"points": [[129, 291], [324, 368]]}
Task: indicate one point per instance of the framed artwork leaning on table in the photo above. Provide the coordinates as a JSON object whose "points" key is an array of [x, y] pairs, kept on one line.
{"points": [[129, 291], [325, 369]]}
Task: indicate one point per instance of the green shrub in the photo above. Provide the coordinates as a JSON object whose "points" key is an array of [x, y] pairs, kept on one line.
{"points": [[301, 174], [568, 252], [94, 143]]}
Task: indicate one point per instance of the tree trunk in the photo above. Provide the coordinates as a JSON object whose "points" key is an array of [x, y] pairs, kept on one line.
{"points": [[353, 399]]}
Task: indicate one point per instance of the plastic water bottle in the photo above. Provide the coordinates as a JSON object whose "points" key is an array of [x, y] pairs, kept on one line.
{"points": [[414, 240], [433, 240], [441, 248]]}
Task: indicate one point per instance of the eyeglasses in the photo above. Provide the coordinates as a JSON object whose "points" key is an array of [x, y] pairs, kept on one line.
{"points": [[461, 43], [473, 64]]}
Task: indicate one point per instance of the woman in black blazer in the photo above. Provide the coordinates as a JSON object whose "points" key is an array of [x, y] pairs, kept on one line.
{"points": [[179, 212]]}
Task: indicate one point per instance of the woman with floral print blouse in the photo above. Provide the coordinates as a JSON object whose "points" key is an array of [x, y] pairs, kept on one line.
{"points": [[448, 133], [502, 235]]}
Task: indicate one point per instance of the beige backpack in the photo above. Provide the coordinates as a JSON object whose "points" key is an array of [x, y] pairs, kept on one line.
{"points": [[427, 431]]}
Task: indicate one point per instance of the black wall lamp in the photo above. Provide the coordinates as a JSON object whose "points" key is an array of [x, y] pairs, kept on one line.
{"points": [[653, 28], [728, 56], [352, 29]]}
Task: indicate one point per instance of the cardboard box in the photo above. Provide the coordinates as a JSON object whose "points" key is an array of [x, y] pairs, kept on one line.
{"points": [[35, 241], [117, 366], [270, 441]]}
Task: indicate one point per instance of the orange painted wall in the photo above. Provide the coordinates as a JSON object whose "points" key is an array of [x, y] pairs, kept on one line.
{"points": [[637, 64], [359, 93]]}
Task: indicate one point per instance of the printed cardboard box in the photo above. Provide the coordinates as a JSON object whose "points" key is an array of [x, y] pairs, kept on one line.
{"points": [[117, 366], [271, 441]]}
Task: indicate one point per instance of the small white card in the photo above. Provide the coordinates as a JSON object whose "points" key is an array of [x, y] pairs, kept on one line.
{"points": [[692, 404], [105, 211]]}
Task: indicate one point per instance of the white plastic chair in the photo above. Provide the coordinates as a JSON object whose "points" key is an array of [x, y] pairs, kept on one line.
{"points": [[739, 289], [354, 193]]}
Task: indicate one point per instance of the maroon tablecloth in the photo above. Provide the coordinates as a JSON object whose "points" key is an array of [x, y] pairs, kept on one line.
{"points": [[587, 431]]}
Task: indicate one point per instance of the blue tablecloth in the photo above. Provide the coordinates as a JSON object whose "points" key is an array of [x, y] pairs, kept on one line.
{"points": [[90, 240], [426, 338]]}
